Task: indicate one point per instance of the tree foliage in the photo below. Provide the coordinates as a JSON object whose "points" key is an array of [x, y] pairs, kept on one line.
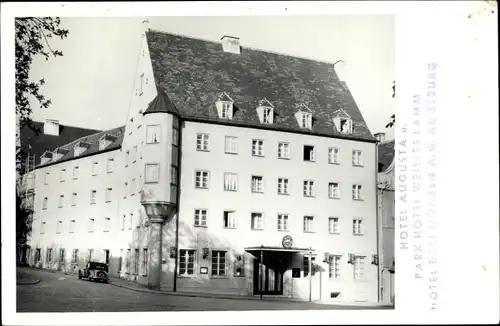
{"points": [[32, 39], [393, 117], [32, 35]]}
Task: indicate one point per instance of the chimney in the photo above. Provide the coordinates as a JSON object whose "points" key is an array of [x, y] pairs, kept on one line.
{"points": [[51, 127], [231, 44], [380, 136]]}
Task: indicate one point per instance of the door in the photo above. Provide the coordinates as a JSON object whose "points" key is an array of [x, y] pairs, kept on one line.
{"points": [[106, 255]]}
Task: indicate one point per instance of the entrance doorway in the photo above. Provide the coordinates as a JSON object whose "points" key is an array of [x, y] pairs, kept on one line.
{"points": [[270, 275]]}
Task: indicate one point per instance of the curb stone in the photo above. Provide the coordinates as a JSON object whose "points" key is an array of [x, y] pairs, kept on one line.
{"points": [[28, 283]]}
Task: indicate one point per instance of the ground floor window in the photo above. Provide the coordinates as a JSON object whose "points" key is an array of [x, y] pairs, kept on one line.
{"points": [[306, 266], [106, 255], [38, 255], [334, 267], [49, 255], [186, 262], [136, 261], [74, 258], [127, 262], [62, 254], [218, 263], [359, 267], [145, 261]]}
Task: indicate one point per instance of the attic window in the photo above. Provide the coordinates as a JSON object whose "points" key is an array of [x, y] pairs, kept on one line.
{"points": [[105, 141], [306, 120], [343, 122], [265, 110], [46, 157], [224, 105], [80, 147]]}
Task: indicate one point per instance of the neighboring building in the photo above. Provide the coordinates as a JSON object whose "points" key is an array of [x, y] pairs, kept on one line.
{"points": [[32, 142], [386, 206], [229, 155]]}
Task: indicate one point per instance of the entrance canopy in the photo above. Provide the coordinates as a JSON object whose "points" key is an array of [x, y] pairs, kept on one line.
{"points": [[255, 250], [277, 254]]}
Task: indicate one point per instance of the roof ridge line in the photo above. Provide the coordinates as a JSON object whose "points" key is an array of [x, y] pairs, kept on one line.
{"points": [[244, 47]]}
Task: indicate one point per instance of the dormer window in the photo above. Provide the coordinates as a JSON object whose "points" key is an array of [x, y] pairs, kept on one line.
{"points": [[224, 105], [81, 147], [105, 141], [265, 110], [304, 117], [59, 153], [343, 122], [46, 157]]}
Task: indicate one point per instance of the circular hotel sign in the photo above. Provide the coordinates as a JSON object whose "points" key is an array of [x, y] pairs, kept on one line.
{"points": [[287, 241]]}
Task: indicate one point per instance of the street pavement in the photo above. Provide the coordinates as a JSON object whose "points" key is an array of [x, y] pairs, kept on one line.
{"points": [[57, 292]]}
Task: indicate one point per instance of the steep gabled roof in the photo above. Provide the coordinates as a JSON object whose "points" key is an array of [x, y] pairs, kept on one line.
{"points": [[93, 140], [37, 144], [386, 154], [194, 72]]}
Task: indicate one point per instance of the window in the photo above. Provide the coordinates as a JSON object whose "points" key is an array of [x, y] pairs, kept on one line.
{"points": [[306, 120], [74, 256], [268, 115], [106, 256], [46, 178], [257, 184], [201, 179], [231, 145], [95, 166], [132, 187], [76, 171], [152, 173], [257, 147], [283, 150], [308, 188], [110, 165], [229, 220], [357, 226], [145, 259], [49, 255], [93, 194], [153, 134], [357, 192], [308, 224], [107, 195], [225, 110], [306, 266], [135, 154], [357, 158], [282, 222], [74, 197], [136, 261], [127, 261], [309, 153], [107, 223], [59, 227], [333, 225], [44, 203], [202, 142], [218, 263], [359, 267], [345, 125], [186, 262], [334, 267], [63, 175], [91, 224], [123, 222], [127, 155], [72, 226], [42, 228], [61, 199], [173, 174], [125, 189], [334, 190], [282, 186], [200, 217], [333, 156], [257, 221], [141, 84], [90, 254], [62, 255], [131, 221], [102, 144], [230, 181]]}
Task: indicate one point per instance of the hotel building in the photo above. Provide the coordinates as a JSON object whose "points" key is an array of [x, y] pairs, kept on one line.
{"points": [[237, 171]]}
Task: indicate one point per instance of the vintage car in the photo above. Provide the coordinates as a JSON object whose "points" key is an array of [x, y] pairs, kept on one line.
{"points": [[94, 271]]}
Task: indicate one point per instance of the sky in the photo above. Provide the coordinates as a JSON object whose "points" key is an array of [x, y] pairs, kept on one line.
{"points": [[91, 85]]}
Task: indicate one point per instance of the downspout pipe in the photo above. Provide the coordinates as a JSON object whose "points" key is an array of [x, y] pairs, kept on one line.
{"points": [[377, 219], [178, 197]]}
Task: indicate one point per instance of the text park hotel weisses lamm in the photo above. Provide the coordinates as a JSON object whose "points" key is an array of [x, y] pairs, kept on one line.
{"points": [[229, 156]]}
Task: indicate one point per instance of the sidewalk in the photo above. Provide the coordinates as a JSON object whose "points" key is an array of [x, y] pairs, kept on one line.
{"points": [[142, 288], [24, 277]]}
